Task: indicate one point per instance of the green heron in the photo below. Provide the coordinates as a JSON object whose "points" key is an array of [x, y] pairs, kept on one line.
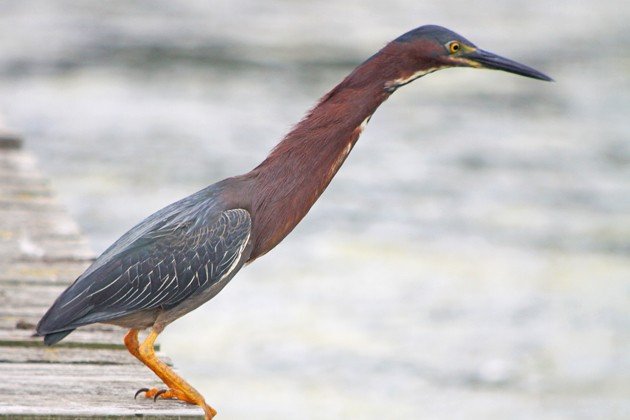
{"points": [[183, 255]]}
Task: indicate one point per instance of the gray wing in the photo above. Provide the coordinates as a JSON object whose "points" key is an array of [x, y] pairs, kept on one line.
{"points": [[158, 270]]}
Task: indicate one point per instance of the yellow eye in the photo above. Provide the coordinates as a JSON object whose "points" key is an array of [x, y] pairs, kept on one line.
{"points": [[454, 47]]}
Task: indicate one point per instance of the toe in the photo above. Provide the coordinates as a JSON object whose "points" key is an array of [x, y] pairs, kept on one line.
{"points": [[138, 392], [148, 392], [161, 393]]}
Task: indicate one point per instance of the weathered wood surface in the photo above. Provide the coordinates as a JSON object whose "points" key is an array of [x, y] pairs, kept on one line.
{"points": [[9, 139], [87, 375], [71, 390]]}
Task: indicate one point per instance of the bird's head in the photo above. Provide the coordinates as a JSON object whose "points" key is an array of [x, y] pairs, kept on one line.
{"points": [[429, 48]]}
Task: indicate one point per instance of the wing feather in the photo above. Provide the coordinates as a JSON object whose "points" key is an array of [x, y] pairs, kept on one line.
{"points": [[159, 270]]}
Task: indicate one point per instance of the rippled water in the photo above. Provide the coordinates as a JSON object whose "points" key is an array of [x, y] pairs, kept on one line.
{"points": [[470, 260]]}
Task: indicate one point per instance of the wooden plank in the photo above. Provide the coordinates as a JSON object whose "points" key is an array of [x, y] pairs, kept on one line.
{"points": [[79, 338], [10, 140], [79, 355], [9, 321], [89, 337], [41, 242], [14, 296], [20, 217], [74, 390], [40, 206], [19, 162], [41, 271]]}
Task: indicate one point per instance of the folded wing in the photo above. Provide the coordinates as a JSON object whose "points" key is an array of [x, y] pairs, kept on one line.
{"points": [[160, 269]]}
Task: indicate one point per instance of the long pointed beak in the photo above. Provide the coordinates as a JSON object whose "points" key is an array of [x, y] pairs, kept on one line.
{"points": [[489, 60]]}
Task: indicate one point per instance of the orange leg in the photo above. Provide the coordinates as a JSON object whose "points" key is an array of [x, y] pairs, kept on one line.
{"points": [[178, 387], [132, 344]]}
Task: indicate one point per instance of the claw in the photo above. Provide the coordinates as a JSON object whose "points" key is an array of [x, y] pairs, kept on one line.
{"points": [[157, 394], [140, 391]]}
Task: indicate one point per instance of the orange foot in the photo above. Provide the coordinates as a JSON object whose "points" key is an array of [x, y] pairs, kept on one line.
{"points": [[175, 394], [167, 394], [178, 387]]}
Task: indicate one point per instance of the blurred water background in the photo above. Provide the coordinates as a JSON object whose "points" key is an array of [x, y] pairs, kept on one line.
{"points": [[469, 261]]}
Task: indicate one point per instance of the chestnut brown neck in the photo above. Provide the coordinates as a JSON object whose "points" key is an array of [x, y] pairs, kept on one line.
{"points": [[287, 183]]}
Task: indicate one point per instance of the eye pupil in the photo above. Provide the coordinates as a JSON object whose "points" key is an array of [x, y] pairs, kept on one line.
{"points": [[455, 47]]}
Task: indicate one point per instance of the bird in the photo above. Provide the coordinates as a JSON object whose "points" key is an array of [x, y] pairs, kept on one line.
{"points": [[181, 256]]}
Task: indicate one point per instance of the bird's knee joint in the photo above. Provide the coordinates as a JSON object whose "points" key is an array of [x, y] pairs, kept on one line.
{"points": [[131, 342]]}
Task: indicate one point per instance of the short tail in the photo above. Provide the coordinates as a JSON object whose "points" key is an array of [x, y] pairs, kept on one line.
{"points": [[54, 338], [58, 321]]}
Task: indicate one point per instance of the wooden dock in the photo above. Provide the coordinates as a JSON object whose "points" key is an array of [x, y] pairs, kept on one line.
{"points": [[89, 374]]}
